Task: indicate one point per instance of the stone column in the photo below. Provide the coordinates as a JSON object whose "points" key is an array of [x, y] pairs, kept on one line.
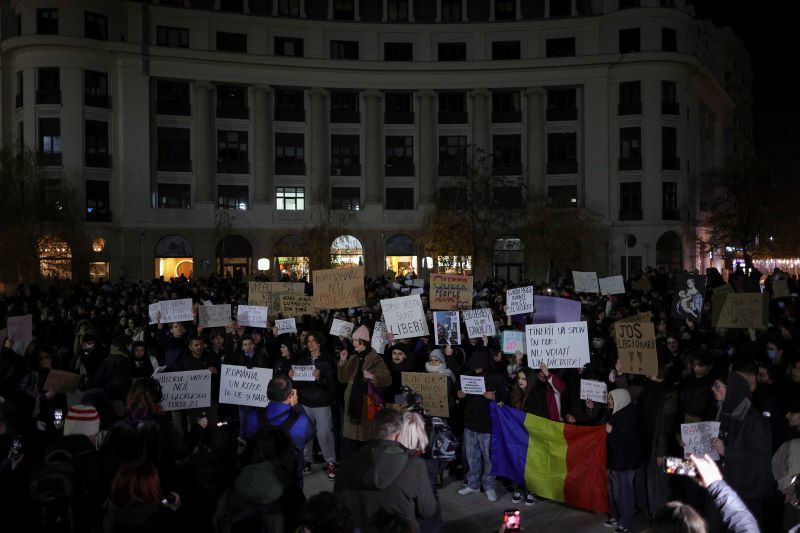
{"points": [[205, 148], [719, 139], [373, 147], [427, 176], [319, 171], [263, 171], [535, 133], [480, 119]]}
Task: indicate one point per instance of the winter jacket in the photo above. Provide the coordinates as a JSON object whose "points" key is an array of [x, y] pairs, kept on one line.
{"points": [[138, 518], [346, 371], [735, 515], [257, 360], [657, 408], [301, 432], [319, 393], [624, 449], [545, 398], [476, 408], [172, 347]]}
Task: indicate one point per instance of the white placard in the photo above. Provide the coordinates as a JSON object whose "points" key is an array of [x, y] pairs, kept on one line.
{"points": [[214, 316], [185, 390], [479, 323], [240, 385], [597, 391], [417, 290], [697, 439], [171, 311], [405, 317], [561, 345], [379, 340], [254, 316], [207, 302], [612, 285], [303, 372], [473, 385], [286, 325], [585, 282], [342, 328], [446, 327], [519, 301]]}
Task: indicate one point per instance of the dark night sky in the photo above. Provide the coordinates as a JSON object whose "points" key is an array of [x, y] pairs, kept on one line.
{"points": [[770, 35]]}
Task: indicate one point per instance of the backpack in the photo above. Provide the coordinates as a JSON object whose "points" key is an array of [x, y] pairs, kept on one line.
{"points": [[443, 442], [56, 492]]}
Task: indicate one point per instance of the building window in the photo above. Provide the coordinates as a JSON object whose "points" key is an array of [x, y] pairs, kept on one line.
{"points": [[55, 258], [669, 201], [452, 51], [630, 98], [669, 40], [290, 105], [630, 201], [345, 155], [344, 49], [562, 196], [669, 149], [562, 153], [505, 9], [50, 141], [452, 155], [399, 155], [560, 8], [400, 198], [174, 150], [669, 98], [344, 10], [98, 245], [96, 145], [173, 98], [233, 197], [95, 89], [506, 106], [98, 207], [503, 50], [232, 101], [345, 107], [345, 198], [630, 149], [290, 198], [398, 51], [289, 8], [231, 42], [629, 41], [561, 47], [397, 10], [20, 90], [451, 11], [48, 90], [47, 21], [562, 104], [174, 37], [232, 152], [399, 109], [95, 26], [287, 46], [453, 108], [290, 153], [174, 196], [506, 155]]}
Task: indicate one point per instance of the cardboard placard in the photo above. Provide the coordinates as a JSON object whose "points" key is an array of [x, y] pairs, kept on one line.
{"points": [[214, 316], [404, 317], [451, 292], [60, 381], [20, 328], [597, 391], [647, 316], [342, 328], [185, 390], [513, 341], [339, 287], [171, 311], [240, 385], [562, 345], [379, 340], [740, 311], [473, 384], [636, 346], [550, 310], [296, 306], [519, 301], [446, 327], [585, 282], [697, 439], [479, 323], [432, 388], [268, 293], [286, 325], [254, 316], [780, 288], [303, 372], [612, 285]]}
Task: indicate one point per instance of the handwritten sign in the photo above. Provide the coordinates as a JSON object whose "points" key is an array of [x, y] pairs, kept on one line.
{"points": [[594, 390], [451, 292], [171, 311], [240, 385], [339, 287], [268, 293], [60, 381], [20, 328], [513, 341], [254, 316], [585, 281], [697, 439], [286, 325], [432, 388], [446, 327], [780, 288], [405, 317], [740, 311], [612, 285], [647, 316], [341, 328], [185, 390], [519, 301], [562, 345], [212, 316], [549, 309], [479, 323], [303, 372], [473, 384], [379, 340], [296, 305], [636, 346]]}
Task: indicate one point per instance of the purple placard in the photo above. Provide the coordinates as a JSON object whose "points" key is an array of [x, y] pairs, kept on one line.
{"points": [[550, 309]]}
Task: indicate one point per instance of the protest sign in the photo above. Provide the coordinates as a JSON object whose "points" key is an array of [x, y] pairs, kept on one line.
{"points": [[689, 291], [446, 327], [339, 287], [417, 290], [207, 302], [780, 288], [286, 325], [213, 316], [697, 439], [303, 372], [405, 317], [519, 301], [379, 340], [60, 381], [612, 285], [185, 390], [740, 311], [636, 346], [594, 390], [473, 384], [342, 328], [451, 292], [296, 305], [268, 293], [479, 323], [254, 316], [647, 316], [563, 345], [513, 341], [432, 388], [585, 282], [240, 385], [20, 328], [550, 309], [171, 311]]}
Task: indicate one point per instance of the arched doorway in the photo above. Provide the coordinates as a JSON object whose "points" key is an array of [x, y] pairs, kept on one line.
{"points": [[55, 258], [99, 266], [509, 259], [346, 251], [290, 259], [173, 257], [234, 255], [669, 252], [400, 255]]}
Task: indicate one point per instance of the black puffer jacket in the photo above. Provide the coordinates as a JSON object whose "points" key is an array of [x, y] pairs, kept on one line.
{"points": [[476, 408], [319, 393]]}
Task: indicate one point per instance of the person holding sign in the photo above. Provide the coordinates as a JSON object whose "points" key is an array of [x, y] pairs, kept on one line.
{"points": [[623, 457], [250, 357], [520, 392], [173, 343]]}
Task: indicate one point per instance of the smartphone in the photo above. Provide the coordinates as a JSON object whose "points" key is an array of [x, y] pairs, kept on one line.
{"points": [[512, 520], [169, 499], [58, 418], [679, 467], [222, 423], [16, 447]]}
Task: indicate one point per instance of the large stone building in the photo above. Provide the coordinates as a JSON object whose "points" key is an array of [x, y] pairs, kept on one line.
{"points": [[284, 112]]}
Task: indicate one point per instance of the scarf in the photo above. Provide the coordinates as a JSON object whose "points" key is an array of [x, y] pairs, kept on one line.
{"points": [[357, 391], [440, 369]]}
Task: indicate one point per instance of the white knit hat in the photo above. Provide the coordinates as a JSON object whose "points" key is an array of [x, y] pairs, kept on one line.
{"points": [[82, 420]]}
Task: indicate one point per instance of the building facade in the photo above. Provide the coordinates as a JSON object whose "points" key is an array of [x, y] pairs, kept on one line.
{"points": [[207, 135]]}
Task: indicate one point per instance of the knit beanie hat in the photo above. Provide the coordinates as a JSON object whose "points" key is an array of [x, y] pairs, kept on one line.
{"points": [[361, 333], [82, 420], [438, 355]]}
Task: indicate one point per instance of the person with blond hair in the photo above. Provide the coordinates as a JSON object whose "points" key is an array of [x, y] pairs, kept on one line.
{"points": [[414, 436]]}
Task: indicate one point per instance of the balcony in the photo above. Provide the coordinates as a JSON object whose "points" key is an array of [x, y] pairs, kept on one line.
{"points": [[504, 117], [452, 168], [345, 116], [398, 117], [670, 108], [508, 197], [98, 160], [510, 169], [400, 169], [670, 163], [233, 111], [453, 117], [228, 166], [290, 115], [629, 108], [630, 215], [48, 97], [95, 100], [174, 165], [173, 107], [18, 100], [562, 167], [49, 159], [291, 167], [352, 170], [93, 215], [630, 164], [671, 214], [556, 114]]}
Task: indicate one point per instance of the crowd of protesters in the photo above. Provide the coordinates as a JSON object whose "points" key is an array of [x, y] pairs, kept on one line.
{"points": [[117, 462]]}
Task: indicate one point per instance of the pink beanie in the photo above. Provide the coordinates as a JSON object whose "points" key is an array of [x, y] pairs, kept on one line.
{"points": [[82, 420], [361, 333]]}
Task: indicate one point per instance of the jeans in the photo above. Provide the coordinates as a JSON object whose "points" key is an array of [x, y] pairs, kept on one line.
{"points": [[323, 422], [622, 499], [478, 447]]}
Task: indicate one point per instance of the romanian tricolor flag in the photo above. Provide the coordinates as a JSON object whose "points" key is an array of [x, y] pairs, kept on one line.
{"points": [[561, 462]]}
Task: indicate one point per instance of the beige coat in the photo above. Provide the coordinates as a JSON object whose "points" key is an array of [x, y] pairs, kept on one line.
{"points": [[346, 371]]}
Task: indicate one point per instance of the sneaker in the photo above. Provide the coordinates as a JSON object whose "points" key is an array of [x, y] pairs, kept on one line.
{"points": [[466, 491], [621, 529], [530, 499], [611, 522], [491, 495], [331, 471], [306, 469], [516, 497]]}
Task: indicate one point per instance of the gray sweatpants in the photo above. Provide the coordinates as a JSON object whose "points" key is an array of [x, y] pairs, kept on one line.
{"points": [[323, 422]]}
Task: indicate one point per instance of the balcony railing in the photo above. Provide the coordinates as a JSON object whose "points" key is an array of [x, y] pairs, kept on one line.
{"points": [[629, 108], [500, 117], [352, 170], [49, 159], [48, 97], [555, 114], [671, 214], [233, 111], [98, 160], [398, 117], [18, 100], [227, 166], [290, 115], [630, 215], [291, 167], [562, 167], [510, 169], [452, 168], [344, 116], [453, 117], [97, 100], [174, 107], [95, 215], [400, 169], [630, 164], [670, 108], [174, 165], [670, 163]]}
